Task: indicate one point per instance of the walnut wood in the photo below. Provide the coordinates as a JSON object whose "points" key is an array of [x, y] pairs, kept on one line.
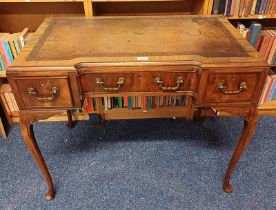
{"points": [[26, 127], [70, 123], [71, 53], [250, 123]]}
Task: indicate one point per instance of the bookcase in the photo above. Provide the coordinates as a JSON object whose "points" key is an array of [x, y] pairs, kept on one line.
{"points": [[15, 15]]}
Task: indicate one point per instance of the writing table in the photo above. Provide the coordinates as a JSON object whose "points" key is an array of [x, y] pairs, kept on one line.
{"points": [[203, 58]]}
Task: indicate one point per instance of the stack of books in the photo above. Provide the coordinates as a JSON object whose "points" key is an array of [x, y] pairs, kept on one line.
{"points": [[134, 102], [10, 47], [263, 40], [8, 101], [269, 91], [244, 7]]}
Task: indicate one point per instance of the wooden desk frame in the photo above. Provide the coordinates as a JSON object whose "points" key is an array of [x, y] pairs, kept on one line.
{"points": [[46, 83]]}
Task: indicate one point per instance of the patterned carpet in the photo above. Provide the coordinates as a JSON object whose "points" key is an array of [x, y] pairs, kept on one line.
{"points": [[141, 164]]}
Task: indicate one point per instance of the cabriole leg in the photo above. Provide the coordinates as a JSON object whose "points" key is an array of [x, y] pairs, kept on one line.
{"points": [[250, 124], [29, 138]]}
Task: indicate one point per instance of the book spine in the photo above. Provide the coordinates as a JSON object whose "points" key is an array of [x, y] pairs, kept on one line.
{"points": [[228, 8], [256, 29], [12, 47], [216, 7], [2, 65], [233, 5], [5, 104], [268, 79], [15, 106], [269, 48], [253, 9], [16, 47], [129, 104], [7, 47], [222, 6], [236, 12], [4, 53], [9, 102], [270, 97], [268, 91]]}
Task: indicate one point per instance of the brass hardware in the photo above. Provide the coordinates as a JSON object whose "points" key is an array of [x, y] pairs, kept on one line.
{"points": [[160, 82], [222, 88], [120, 83], [53, 92]]}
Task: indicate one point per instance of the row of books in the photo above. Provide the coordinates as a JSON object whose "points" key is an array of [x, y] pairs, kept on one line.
{"points": [[269, 91], [134, 102], [8, 101], [10, 47], [244, 7], [263, 40]]}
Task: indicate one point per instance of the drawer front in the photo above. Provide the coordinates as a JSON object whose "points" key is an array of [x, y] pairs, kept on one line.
{"points": [[231, 87], [98, 83], [44, 92]]}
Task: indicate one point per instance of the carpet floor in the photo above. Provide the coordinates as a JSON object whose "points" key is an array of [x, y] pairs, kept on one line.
{"points": [[141, 164]]}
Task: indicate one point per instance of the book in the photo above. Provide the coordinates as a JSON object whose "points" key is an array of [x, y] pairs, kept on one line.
{"points": [[222, 6], [7, 47], [3, 50], [216, 4], [242, 7], [270, 43], [2, 65], [7, 109], [228, 7], [272, 52], [255, 29], [269, 87], [237, 6], [267, 82], [253, 9]]}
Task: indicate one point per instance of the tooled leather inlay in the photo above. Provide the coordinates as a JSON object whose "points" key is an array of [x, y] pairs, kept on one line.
{"points": [[66, 39]]}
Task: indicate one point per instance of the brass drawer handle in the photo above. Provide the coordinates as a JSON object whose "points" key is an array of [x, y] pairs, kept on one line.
{"points": [[53, 92], [119, 83], [160, 82], [222, 88]]}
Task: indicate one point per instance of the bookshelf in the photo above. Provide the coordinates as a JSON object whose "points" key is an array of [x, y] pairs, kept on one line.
{"points": [[18, 14], [259, 17]]}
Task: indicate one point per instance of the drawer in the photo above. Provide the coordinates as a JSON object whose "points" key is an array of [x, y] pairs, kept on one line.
{"points": [[231, 87], [44, 92], [98, 83]]}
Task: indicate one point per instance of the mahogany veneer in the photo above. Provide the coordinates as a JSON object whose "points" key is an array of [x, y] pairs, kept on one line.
{"points": [[203, 58]]}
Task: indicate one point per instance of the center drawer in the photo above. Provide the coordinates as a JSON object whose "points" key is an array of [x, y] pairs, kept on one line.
{"points": [[99, 83]]}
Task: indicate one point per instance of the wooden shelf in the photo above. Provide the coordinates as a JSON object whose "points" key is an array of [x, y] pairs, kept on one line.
{"points": [[268, 105], [268, 109], [61, 117], [252, 17], [3, 74], [16, 15], [168, 112]]}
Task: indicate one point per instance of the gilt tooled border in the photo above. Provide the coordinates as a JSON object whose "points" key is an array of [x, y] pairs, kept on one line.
{"points": [[240, 52]]}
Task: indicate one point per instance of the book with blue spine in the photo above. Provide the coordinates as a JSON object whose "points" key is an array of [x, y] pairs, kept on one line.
{"points": [[228, 7], [260, 6], [272, 92], [3, 50], [2, 65], [16, 46], [129, 102], [255, 29], [8, 49]]}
